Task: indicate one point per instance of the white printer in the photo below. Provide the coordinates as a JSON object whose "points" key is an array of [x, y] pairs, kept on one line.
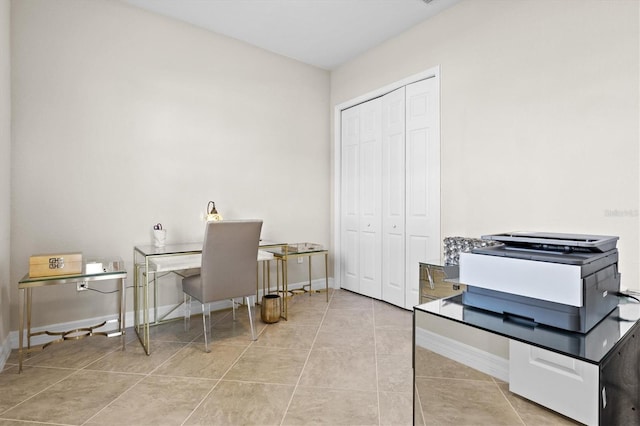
{"points": [[568, 281]]}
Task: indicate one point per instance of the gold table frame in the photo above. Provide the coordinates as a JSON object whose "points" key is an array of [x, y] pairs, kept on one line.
{"points": [[114, 270], [284, 252], [142, 256]]}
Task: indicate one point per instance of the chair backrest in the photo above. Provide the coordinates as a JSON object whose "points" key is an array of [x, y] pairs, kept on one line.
{"points": [[229, 259]]}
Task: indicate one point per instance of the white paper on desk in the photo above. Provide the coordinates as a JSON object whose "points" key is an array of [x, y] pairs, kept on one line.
{"points": [[93, 268]]}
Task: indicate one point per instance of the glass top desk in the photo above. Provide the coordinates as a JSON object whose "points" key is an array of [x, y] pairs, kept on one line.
{"points": [[610, 347], [149, 259], [113, 269]]}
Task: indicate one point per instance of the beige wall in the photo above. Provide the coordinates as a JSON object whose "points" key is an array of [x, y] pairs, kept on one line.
{"points": [[5, 197], [539, 114], [123, 119]]}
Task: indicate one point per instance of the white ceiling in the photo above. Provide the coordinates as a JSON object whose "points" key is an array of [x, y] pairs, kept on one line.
{"points": [[323, 33]]}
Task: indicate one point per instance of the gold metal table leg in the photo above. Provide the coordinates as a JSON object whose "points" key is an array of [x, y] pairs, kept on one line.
{"points": [[123, 304], [310, 289], [145, 313], [285, 289], [326, 275], [136, 306], [21, 336], [142, 327], [258, 282], [29, 302]]}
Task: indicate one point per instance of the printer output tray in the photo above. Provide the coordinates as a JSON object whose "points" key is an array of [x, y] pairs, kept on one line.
{"points": [[556, 241]]}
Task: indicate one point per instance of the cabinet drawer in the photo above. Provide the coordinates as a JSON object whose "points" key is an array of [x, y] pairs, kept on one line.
{"points": [[433, 284], [564, 384]]}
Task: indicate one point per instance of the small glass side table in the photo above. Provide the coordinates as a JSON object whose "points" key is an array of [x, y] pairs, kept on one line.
{"points": [[438, 280], [112, 269], [285, 252]]}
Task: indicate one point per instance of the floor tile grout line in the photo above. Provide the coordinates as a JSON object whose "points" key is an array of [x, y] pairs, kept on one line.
{"points": [[509, 402], [143, 377], [204, 398], [116, 398], [455, 379], [375, 355], [306, 361], [102, 357], [73, 372], [185, 345]]}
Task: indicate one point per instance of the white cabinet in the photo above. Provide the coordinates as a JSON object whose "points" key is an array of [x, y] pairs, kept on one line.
{"points": [[593, 378], [390, 192], [564, 384]]}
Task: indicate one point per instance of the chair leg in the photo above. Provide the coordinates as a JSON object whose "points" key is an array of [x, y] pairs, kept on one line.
{"points": [[206, 324], [233, 308], [253, 329], [187, 312]]}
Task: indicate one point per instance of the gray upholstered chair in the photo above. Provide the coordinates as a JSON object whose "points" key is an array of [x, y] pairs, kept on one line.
{"points": [[228, 270]]}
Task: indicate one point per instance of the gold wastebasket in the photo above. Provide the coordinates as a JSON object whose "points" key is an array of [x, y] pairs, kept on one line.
{"points": [[270, 308]]}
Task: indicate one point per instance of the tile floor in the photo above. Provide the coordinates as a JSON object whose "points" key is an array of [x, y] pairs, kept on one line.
{"points": [[345, 362]]}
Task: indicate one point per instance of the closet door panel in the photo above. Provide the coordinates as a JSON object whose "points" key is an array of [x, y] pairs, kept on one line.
{"points": [[370, 198], [393, 197], [370, 250], [418, 159], [369, 182], [393, 290], [351, 261], [422, 230], [369, 265], [418, 248], [350, 199]]}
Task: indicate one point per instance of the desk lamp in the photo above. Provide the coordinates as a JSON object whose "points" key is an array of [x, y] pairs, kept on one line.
{"points": [[212, 212]]}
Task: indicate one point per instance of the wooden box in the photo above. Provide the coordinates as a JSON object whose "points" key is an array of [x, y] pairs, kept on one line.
{"points": [[49, 265]]}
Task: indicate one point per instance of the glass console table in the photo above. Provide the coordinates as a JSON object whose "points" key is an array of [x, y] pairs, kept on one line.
{"points": [[438, 280], [285, 252], [593, 378], [112, 269]]}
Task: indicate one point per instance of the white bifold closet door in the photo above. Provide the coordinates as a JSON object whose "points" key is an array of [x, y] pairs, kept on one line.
{"points": [[390, 180], [361, 221]]}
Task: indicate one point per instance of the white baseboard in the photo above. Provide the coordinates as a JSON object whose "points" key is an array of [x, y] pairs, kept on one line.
{"points": [[470, 356], [163, 312], [317, 284]]}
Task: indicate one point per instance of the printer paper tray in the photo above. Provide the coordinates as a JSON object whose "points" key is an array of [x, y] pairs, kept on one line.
{"points": [[572, 318]]}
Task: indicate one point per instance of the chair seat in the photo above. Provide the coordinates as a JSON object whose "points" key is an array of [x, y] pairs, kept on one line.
{"points": [[175, 263], [264, 255]]}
